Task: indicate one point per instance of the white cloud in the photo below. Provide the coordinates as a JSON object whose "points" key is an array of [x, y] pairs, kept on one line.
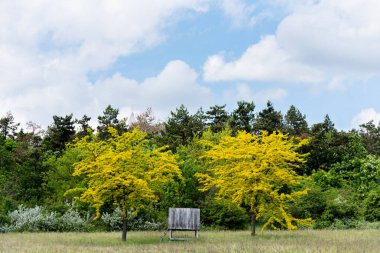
{"points": [[365, 116], [271, 94], [245, 13], [244, 92], [316, 43], [240, 13], [47, 48], [175, 85], [341, 36], [264, 61], [290, 5]]}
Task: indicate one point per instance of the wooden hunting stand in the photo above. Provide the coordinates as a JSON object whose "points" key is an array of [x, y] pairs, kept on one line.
{"points": [[183, 219]]}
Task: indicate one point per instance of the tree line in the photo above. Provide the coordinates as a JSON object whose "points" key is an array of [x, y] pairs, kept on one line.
{"points": [[282, 171]]}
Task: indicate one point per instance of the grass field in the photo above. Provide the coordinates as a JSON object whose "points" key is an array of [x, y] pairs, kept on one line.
{"points": [[210, 241]]}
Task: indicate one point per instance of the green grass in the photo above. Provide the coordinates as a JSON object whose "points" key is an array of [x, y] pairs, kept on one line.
{"points": [[210, 241]]}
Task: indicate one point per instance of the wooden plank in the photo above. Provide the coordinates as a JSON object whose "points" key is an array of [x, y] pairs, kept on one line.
{"points": [[184, 219]]}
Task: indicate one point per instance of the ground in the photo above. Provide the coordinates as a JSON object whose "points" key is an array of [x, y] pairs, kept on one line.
{"points": [[210, 241]]}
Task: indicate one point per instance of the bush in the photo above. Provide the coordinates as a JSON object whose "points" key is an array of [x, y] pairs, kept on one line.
{"points": [[340, 205], [26, 219], [72, 221], [311, 205], [37, 219], [114, 222], [346, 224], [332, 208], [223, 214], [4, 219], [372, 205], [141, 225]]}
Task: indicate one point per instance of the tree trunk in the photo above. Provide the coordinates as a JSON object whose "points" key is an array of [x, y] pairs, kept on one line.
{"points": [[124, 234], [253, 228]]}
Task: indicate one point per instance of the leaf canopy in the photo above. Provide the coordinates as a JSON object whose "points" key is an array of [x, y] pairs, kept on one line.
{"points": [[123, 169], [257, 172]]}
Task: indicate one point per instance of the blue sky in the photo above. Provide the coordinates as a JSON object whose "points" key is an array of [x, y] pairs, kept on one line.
{"points": [[61, 57]]}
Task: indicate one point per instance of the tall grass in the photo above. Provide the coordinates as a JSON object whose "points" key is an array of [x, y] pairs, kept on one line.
{"points": [[210, 241]]}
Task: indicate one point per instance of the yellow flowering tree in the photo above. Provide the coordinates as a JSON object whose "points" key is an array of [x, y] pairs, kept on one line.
{"points": [[256, 172], [123, 169]]}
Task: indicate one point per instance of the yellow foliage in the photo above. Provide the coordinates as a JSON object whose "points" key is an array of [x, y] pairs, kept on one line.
{"points": [[258, 172], [123, 169]]}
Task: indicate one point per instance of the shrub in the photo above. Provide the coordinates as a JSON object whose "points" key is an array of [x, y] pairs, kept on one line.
{"points": [[332, 208], [72, 221], [114, 222], [311, 205], [347, 224], [37, 219], [223, 214], [372, 205], [141, 225], [25, 219], [340, 205]]}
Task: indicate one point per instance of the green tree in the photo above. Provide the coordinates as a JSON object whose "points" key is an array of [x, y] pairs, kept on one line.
{"points": [[110, 119], [372, 205], [257, 172], [123, 169], [84, 126], [28, 174], [362, 174], [345, 176], [223, 214], [327, 147], [321, 147], [217, 118], [243, 117], [59, 133], [189, 164], [58, 178], [182, 127], [7, 179], [295, 122], [370, 135], [8, 127], [21, 165], [269, 120]]}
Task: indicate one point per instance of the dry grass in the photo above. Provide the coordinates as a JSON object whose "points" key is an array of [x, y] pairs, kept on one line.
{"points": [[211, 241]]}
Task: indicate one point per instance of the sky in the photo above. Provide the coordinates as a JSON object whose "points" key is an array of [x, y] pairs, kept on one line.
{"points": [[78, 56]]}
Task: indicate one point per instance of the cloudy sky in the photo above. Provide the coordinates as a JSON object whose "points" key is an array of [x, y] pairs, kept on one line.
{"points": [[78, 56]]}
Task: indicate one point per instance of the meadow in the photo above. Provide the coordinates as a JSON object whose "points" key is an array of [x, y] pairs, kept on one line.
{"points": [[209, 241]]}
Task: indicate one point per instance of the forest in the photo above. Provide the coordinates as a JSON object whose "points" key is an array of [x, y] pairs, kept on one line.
{"points": [[240, 167]]}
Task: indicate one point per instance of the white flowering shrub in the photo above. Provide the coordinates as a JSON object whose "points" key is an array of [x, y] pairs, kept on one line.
{"points": [[150, 226], [47, 222], [72, 221], [143, 225], [37, 219], [113, 221], [26, 219]]}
